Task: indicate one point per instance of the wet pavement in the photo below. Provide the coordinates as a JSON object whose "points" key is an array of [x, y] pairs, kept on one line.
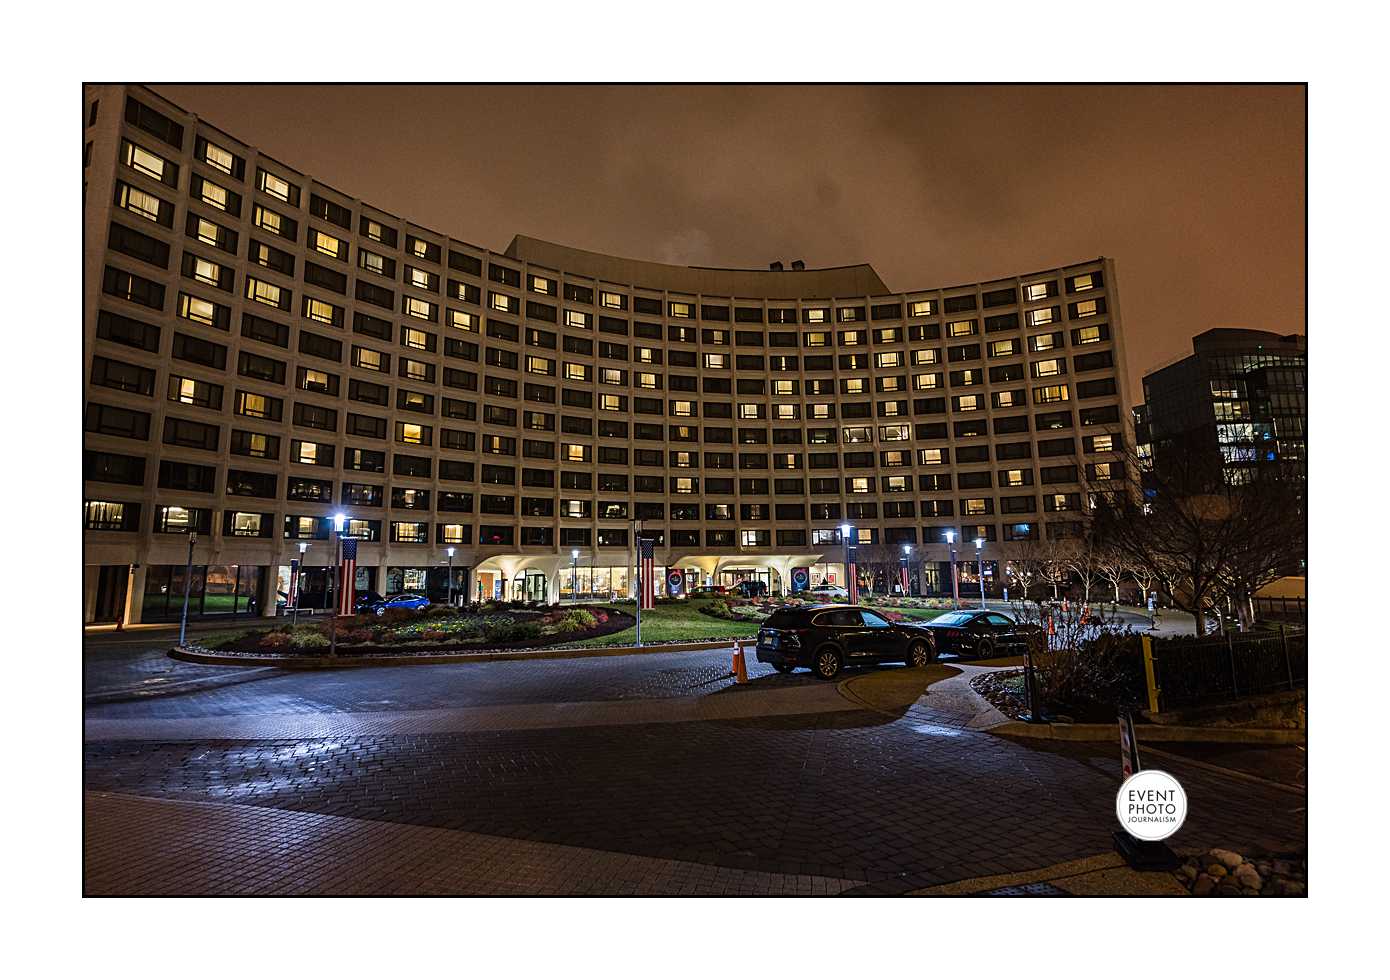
{"points": [[643, 774]]}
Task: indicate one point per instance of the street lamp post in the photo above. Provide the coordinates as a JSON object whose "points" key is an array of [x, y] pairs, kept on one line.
{"points": [[851, 572], [187, 584], [339, 521], [574, 576], [980, 557], [955, 578], [450, 589], [907, 557], [296, 570]]}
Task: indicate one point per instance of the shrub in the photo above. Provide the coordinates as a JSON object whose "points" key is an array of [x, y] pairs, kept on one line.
{"points": [[510, 630], [274, 641], [575, 621], [360, 634], [440, 610], [308, 638]]}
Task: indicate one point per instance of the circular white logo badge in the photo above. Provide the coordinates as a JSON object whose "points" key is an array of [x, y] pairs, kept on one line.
{"points": [[1151, 805]]}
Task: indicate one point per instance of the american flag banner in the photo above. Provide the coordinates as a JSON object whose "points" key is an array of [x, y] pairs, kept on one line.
{"points": [[646, 587], [347, 578], [852, 577], [903, 570]]}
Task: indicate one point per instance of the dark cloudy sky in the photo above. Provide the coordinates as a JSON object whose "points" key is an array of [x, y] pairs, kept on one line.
{"points": [[1196, 191]]}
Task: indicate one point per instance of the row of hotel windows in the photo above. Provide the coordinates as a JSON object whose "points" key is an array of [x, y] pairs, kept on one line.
{"points": [[134, 333], [107, 515], [107, 467], [128, 242], [112, 420], [138, 380], [157, 167]]}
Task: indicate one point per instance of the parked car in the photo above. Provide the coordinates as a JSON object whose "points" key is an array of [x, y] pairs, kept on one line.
{"points": [[827, 591], [827, 638], [979, 633], [365, 601], [750, 588], [709, 590], [404, 600]]}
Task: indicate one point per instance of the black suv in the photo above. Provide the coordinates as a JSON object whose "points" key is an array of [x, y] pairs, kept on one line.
{"points": [[750, 588], [829, 637]]}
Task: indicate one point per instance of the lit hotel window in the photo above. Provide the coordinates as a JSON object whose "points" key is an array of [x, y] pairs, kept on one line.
{"points": [[328, 245], [138, 202], [271, 221], [276, 187], [141, 159]]}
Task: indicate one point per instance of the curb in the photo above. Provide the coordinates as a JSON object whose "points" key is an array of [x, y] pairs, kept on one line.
{"points": [[1151, 733], [116, 695], [199, 656]]}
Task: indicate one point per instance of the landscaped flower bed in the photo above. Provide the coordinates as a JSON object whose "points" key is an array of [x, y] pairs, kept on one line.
{"points": [[436, 629]]}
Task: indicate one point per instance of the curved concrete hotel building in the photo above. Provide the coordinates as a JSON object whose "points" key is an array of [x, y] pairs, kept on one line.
{"points": [[263, 351]]}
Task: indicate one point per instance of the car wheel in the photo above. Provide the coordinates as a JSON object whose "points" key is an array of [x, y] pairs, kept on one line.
{"points": [[380, 610], [784, 668], [985, 650], [920, 654], [827, 662]]}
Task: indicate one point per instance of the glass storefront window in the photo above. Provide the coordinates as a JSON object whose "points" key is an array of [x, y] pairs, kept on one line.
{"points": [[214, 590]]}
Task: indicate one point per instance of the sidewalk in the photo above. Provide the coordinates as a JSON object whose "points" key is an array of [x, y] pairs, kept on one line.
{"points": [[142, 846]]}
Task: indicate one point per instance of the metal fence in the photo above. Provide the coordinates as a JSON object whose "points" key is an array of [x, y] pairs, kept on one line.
{"points": [[1225, 668]]}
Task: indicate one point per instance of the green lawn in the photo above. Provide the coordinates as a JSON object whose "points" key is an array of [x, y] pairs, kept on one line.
{"points": [[674, 623], [683, 622]]}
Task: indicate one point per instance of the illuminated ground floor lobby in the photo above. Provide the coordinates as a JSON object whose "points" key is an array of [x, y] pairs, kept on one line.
{"points": [[257, 585]]}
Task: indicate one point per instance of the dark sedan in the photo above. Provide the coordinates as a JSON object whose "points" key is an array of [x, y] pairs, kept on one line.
{"points": [[830, 637], [979, 633]]}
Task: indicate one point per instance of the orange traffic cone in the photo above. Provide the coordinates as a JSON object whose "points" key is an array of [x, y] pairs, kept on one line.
{"points": [[1066, 606], [1086, 612], [1051, 626]]}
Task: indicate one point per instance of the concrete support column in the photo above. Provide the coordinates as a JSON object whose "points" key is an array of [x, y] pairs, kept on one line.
{"points": [[135, 594], [266, 595], [91, 578]]}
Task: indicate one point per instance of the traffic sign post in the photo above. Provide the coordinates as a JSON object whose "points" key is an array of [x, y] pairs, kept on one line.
{"points": [[1142, 855]]}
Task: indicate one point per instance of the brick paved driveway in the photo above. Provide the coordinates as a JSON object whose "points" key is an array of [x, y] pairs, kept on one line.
{"points": [[429, 687], [874, 804]]}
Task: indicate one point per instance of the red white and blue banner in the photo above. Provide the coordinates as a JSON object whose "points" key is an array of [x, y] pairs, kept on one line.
{"points": [[646, 587], [347, 578], [903, 576], [852, 575]]}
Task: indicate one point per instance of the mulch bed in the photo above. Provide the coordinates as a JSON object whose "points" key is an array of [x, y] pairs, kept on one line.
{"points": [[617, 622], [995, 688]]}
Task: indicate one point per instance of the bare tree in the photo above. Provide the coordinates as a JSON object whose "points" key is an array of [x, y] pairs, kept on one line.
{"points": [[1201, 536], [1112, 566], [1053, 553], [1029, 562], [879, 558], [1084, 559]]}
